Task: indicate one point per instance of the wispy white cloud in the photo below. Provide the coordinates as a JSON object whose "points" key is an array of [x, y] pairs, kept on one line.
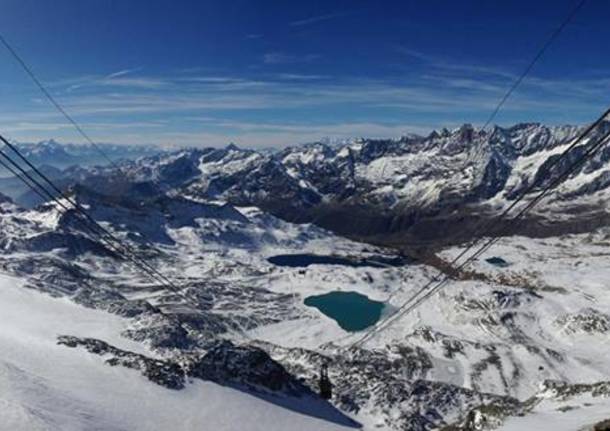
{"points": [[212, 109], [122, 72], [432, 94], [454, 66], [317, 19], [26, 126], [211, 79], [301, 77], [133, 82], [66, 128], [116, 79], [282, 58], [321, 130]]}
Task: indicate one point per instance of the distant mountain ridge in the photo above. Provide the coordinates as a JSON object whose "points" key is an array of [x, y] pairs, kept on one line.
{"points": [[417, 189], [62, 155], [415, 185], [52, 157]]}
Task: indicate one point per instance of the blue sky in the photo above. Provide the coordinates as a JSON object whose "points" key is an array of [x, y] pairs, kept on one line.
{"points": [[275, 73]]}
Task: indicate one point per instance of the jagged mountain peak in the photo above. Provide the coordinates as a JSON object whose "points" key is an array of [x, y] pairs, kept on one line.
{"points": [[386, 177], [232, 147]]}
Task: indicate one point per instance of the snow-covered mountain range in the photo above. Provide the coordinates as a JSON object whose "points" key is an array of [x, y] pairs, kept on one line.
{"points": [[417, 190], [520, 335], [61, 155], [52, 157]]}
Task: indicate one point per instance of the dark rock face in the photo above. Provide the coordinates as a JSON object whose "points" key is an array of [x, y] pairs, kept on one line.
{"points": [[165, 332], [494, 178], [588, 321], [375, 380], [360, 378], [223, 363], [490, 415], [564, 390], [180, 170], [554, 166], [74, 245], [226, 363], [164, 373]]}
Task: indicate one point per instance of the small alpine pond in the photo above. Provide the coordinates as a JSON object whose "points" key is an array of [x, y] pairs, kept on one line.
{"points": [[497, 261], [351, 310]]}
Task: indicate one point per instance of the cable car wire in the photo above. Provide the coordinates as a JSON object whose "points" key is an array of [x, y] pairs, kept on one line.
{"points": [[40, 190], [29, 71], [110, 240], [533, 62]]}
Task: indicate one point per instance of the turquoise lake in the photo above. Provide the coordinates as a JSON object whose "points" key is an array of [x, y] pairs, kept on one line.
{"points": [[351, 310]]}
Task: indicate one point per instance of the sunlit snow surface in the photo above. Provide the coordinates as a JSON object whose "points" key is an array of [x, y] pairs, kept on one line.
{"points": [[545, 316], [535, 302], [44, 386], [578, 414]]}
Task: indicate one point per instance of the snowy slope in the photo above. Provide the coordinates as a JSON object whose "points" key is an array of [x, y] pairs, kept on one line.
{"points": [[574, 414], [45, 386], [230, 292]]}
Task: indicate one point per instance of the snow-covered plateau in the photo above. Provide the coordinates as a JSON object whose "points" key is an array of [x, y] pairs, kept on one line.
{"points": [[519, 340]]}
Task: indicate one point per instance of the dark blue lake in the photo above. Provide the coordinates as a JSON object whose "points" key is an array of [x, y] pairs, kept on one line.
{"points": [[351, 310], [498, 261], [304, 260]]}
